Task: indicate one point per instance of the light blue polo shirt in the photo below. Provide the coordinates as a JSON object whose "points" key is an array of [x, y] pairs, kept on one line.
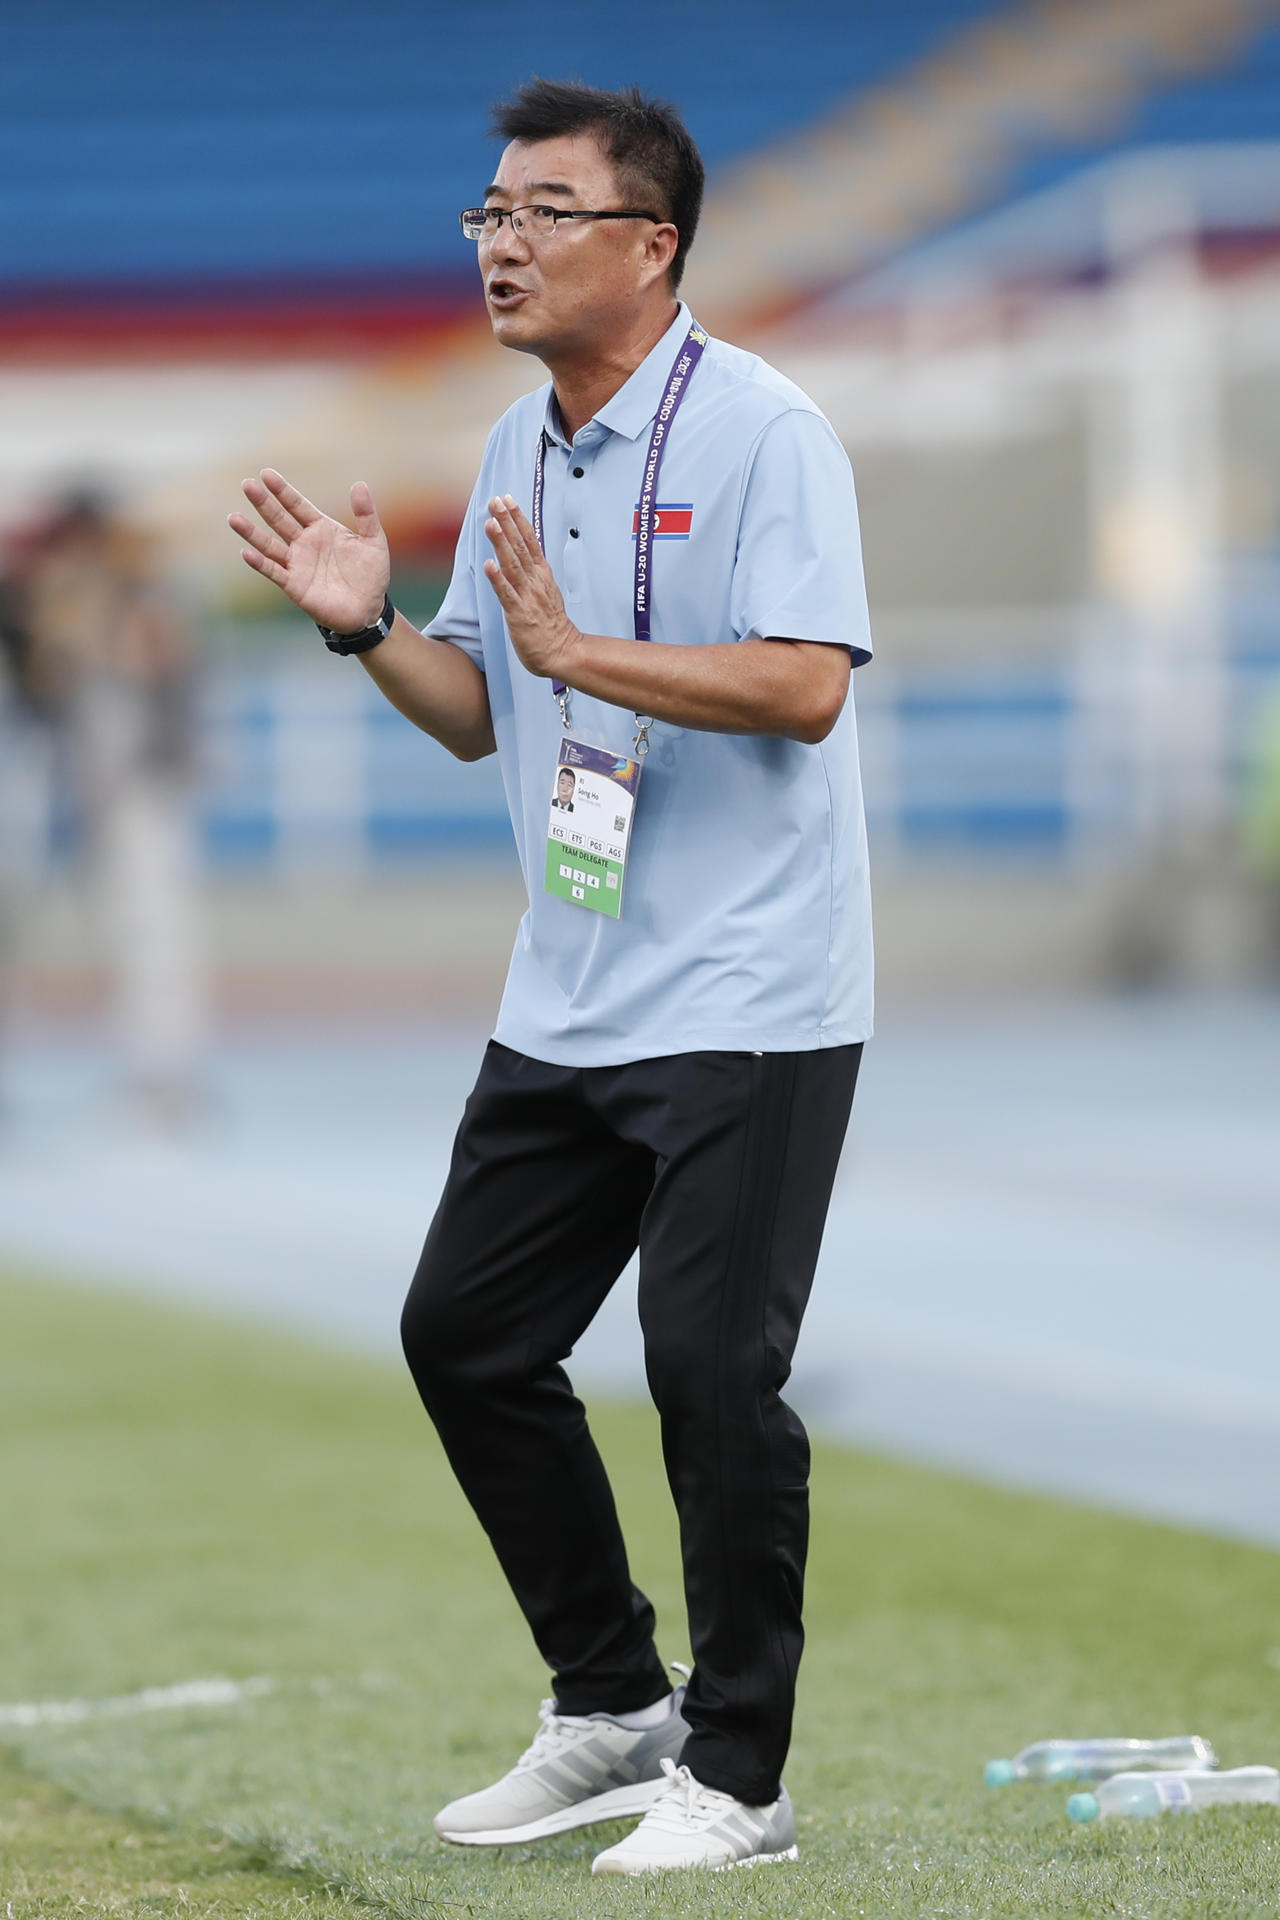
{"points": [[746, 917]]}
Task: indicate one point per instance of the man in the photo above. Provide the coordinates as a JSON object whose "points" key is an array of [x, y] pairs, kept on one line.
{"points": [[108, 666], [678, 1042], [566, 781]]}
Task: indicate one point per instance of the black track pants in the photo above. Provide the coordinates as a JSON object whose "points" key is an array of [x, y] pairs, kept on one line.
{"points": [[719, 1167]]}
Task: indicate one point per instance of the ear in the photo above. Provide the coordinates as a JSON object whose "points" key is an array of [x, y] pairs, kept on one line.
{"points": [[659, 251]]}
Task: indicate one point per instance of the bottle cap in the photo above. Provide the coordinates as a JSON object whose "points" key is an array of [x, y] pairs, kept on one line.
{"points": [[998, 1773], [1082, 1806]]}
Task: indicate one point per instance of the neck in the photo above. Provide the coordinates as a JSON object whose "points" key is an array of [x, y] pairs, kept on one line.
{"points": [[584, 385]]}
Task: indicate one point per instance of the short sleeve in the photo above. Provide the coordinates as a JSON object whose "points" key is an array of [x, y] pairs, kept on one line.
{"points": [[798, 570], [459, 617]]}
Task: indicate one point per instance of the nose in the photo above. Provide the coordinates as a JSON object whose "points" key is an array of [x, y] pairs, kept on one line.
{"points": [[507, 244]]}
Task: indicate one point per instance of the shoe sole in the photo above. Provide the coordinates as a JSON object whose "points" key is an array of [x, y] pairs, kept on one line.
{"points": [[620, 1804], [698, 1866]]}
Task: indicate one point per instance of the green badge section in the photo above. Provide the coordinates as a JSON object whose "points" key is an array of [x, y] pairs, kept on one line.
{"points": [[587, 879]]}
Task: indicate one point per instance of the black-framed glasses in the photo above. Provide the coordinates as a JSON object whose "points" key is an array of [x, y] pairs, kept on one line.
{"points": [[485, 223]]}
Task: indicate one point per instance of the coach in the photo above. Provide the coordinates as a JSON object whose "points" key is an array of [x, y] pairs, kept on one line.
{"points": [[658, 581]]}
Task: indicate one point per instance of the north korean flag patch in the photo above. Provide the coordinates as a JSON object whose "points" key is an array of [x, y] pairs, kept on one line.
{"points": [[672, 520]]}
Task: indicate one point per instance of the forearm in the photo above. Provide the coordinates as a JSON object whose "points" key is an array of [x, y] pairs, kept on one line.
{"points": [[789, 688], [436, 685], [794, 689]]}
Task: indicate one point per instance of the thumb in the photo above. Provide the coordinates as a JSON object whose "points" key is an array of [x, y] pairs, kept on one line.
{"points": [[363, 511]]}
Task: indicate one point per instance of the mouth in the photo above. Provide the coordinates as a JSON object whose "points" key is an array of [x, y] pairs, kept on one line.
{"points": [[505, 294]]}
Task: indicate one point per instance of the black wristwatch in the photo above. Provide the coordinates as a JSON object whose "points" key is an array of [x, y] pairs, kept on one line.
{"points": [[367, 636]]}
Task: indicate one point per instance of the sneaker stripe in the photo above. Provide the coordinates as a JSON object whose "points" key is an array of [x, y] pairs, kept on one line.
{"points": [[565, 1777], [740, 1826], [761, 1860], [595, 1765]]}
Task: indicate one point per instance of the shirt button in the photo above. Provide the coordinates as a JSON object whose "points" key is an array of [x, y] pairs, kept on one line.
{"points": [[573, 533], [578, 473]]}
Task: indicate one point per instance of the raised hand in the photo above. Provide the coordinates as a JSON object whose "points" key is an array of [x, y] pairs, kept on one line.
{"points": [[541, 631], [336, 576]]}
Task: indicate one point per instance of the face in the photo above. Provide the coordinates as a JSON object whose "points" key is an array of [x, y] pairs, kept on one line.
{"points": [[565, 784], [571, 292]]}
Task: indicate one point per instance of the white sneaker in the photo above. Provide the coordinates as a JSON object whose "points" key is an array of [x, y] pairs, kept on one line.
{"points": [[577, 1772], [690, 1825]]}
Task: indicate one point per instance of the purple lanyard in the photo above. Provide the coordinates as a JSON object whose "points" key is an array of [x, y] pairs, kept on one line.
{"points": [[677, 386]]}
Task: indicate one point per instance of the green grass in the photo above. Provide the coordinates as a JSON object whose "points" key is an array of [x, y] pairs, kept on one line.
{"points": [[181, 1498]]}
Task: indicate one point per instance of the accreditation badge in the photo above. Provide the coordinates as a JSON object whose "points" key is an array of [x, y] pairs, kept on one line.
{"points": [[593, 798]]}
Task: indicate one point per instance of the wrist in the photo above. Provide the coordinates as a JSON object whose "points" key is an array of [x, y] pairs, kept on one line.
{"points": [[364, 637], [571, 655]]}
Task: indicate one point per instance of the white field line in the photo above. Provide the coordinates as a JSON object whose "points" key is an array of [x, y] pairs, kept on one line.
{"points": [[187, 1693]]}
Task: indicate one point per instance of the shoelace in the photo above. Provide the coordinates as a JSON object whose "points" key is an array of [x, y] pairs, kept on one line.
{"points": [[554, 1728], [684, 1802], [553, 1731]]}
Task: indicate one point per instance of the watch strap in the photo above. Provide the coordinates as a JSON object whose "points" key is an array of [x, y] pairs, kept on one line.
{"points": [[366, 638]]}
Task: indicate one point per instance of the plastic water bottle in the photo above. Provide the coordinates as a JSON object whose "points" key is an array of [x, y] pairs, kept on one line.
{"points": [[1099, 1759], [1144, 1794]]}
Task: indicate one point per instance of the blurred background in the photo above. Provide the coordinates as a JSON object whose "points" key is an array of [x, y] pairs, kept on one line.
{"points": [[253, 927]]}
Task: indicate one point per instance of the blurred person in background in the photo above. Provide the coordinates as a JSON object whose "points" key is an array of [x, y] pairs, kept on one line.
{"points": [[1262, 823], [107, 665], [677, 1075], [15, 725]]}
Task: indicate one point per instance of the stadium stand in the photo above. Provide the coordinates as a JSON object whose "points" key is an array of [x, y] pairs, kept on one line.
{"points": [[183, 155], [184, 150], [1005, 105]]}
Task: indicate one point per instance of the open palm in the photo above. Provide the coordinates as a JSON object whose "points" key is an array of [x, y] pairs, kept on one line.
{"points": [[337, 576]]}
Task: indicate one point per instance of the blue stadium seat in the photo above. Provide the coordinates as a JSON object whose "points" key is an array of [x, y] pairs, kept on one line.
{"points": [[147, 143], [1241, 102]]}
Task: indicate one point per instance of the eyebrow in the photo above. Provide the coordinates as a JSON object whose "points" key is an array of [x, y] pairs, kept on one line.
{"points": [[537, 186]]}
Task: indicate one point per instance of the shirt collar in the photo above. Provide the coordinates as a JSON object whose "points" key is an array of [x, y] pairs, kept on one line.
{"points": [[636, 402]]}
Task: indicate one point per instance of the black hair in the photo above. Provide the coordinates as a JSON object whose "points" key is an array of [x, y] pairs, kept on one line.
{"points": [[657, 163]]}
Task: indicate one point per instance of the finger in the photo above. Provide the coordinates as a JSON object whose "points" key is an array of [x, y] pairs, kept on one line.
{"points": [[363, 511], [508, 598], [522, 533], [257, 535], [295, 503], [522, 557], [269, 569], [275, 515], [500, 584], [500, 540]]}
